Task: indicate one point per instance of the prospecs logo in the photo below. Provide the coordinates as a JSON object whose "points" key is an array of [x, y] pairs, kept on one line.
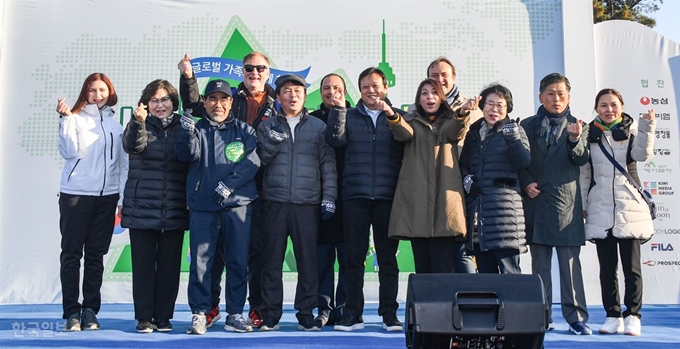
{"points": [[658, 188], [654, 263]]}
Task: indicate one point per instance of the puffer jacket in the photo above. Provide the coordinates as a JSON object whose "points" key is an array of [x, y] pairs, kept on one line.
{"points": [[225, 152], [300, 171], [496, 161], [91, 142], [155, 191], [372, 155], [428, 201], [611, 201]]}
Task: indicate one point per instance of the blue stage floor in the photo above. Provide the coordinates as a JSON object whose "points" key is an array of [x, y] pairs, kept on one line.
{"points": [[28, 326]]}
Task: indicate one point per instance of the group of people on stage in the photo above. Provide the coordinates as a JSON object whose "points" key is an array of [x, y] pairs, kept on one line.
{"points": [[245, 168]]}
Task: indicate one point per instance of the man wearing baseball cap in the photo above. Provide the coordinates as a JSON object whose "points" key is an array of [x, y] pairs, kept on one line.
{"points": [[222, 153], [300, 186], [254, 101]]}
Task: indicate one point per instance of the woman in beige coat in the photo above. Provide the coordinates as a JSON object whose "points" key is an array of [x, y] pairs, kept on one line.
{"points": [[428, 207]]}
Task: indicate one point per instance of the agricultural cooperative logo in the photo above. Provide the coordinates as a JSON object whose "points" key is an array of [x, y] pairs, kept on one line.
{"points": [[230, 68], [653, 101]]}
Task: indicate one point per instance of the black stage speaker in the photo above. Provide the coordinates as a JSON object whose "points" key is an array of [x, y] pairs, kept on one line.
{"points": [[475, 311]]}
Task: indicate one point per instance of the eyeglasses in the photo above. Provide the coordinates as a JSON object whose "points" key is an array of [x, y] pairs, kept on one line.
{"points": [[163, 100], [491, 105], [249, 68]]}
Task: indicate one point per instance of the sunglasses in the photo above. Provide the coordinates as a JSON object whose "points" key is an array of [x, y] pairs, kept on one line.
{"points": [[249, 68]]}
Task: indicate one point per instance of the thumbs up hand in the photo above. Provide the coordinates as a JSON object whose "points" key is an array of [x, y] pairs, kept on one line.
{"points": [[184, 66]]}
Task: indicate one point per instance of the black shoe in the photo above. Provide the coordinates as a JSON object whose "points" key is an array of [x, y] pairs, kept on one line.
{"points": [[162, 325], [335, 315], [144, 326], [88, 320], [269, 324], [349, 323], [308, 323], [391, 323], [73, 323]]}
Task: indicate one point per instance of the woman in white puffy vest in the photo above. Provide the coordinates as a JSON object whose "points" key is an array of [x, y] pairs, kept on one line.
{"points": [[617, 216]]}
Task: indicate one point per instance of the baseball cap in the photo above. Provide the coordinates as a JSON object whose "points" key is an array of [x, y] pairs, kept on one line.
{"points": [[297, 79], [218, 86]]}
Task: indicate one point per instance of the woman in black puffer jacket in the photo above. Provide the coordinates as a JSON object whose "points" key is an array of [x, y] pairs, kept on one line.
{"points": [[154, 205], [496, 149]]}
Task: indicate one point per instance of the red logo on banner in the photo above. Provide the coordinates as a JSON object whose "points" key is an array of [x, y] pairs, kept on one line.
{"points": [[644, 100]]}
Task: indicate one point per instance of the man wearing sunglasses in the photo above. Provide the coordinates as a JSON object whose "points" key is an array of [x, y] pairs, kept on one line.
{"points": [[253, 102]]}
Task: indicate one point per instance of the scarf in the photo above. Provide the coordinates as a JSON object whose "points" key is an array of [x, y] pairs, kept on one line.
{"points": [[620, 129], [451, 97], [610, 127], [550, 122], [167, 121]]}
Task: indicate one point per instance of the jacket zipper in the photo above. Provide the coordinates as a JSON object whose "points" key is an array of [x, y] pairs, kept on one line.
{"points": [[373, 170], [101, 118], [73, 169]]}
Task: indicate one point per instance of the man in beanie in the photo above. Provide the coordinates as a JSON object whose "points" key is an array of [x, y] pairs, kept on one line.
{"points": [[222, 153], [299, 188]]}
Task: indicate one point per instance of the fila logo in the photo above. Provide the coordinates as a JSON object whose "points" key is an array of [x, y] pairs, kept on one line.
{"points": [[662, 247]]}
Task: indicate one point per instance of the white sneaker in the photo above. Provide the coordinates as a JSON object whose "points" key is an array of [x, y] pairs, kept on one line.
{"points": [[633, 327], [612, 325], [197, 324]]}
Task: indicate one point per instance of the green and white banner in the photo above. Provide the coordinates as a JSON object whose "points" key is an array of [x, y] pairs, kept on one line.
{"points": [[49, 47]]}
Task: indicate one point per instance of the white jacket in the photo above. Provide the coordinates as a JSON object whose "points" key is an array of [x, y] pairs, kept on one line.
{"points": [[613, 202], [91, 142]]}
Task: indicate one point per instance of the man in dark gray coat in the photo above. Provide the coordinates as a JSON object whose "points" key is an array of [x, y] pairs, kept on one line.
{"points": [[552, 201], [299, 188]]}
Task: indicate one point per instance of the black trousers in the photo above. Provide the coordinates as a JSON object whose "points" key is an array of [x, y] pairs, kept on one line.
{"points": [[500, 261], [629, 250], [255, 256], [332, 299], [301, 223], [86, 224], [156, 262], [434, 255], [358, 217]]}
